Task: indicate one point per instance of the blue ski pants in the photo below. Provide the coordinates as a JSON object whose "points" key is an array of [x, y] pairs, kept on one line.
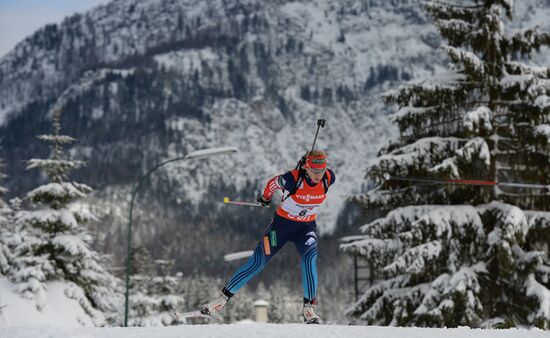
{"points": [[280, 231]]}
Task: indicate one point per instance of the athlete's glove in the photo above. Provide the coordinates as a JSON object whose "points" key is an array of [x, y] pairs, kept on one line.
{"points": [[263, 202]]}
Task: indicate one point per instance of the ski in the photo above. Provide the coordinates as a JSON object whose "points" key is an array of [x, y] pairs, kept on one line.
{"points": [[194, 314]]}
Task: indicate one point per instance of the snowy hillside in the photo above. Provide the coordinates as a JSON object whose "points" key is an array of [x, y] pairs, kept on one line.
{"points": [[193, 74], [266, 331], [264, 74]]}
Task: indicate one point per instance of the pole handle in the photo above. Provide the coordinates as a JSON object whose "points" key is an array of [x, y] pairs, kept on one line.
{"points": [[226, 200]]}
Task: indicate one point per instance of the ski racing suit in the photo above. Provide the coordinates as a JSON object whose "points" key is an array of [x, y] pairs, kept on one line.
{"points": [[293, 221]]}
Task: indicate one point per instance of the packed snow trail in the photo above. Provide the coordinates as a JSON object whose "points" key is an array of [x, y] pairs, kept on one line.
{"points": [[265, 331]]}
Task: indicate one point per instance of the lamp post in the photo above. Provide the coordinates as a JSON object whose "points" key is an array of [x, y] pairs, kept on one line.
{"points": [[199, 154]]}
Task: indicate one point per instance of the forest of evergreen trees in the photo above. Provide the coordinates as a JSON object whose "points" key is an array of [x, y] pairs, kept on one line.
{"points": [[452, 255]]}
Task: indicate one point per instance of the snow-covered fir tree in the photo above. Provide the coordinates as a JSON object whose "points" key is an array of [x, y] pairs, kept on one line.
{"points": [[284, 305], [140, 302], [464, 255], [52, 243], [6, 220], [3, 190], [154, 296]]}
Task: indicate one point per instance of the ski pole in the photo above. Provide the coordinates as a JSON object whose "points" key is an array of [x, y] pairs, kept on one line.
{"points": [[320, 124], [226, 200], [387, 177]]}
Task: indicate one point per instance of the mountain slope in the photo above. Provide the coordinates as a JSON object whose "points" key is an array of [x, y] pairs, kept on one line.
{"points": [[145, 81]]}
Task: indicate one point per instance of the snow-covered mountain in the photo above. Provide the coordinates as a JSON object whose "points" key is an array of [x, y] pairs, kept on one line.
{"points": [[145, 81]]}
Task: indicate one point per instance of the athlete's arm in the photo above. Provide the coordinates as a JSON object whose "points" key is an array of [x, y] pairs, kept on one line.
{"points": [[280, 182]]}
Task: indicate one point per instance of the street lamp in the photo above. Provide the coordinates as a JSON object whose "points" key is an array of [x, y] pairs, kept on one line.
{"points": [[199, 154], [238, 255]]}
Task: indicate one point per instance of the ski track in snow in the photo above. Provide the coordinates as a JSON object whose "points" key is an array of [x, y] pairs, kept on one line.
{"points": [[266, 331]]}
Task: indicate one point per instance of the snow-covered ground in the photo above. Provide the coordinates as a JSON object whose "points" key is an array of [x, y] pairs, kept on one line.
{"points": [[63, 318], [59, 310], [265, 331]]}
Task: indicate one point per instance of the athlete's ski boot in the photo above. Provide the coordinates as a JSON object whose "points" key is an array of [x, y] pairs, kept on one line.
{"points": [[217, 304], [308, 312]]}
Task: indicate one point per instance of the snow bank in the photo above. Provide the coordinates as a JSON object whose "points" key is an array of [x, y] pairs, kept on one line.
{"points": [[59, 311], [267, 331]]}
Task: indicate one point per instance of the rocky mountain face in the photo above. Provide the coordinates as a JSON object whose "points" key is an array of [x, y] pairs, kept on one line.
{"points": [[143, 81]]}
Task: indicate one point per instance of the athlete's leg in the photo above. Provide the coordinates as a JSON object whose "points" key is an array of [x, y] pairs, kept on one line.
{"points": [[306, 244], [274, 238]]}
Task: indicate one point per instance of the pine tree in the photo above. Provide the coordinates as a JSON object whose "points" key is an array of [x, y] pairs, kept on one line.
{"points": [[141, 304], [285, 306], [52, 243], [166, 290], [6, 219], [2, 177], [154, 298], [487, 118]]}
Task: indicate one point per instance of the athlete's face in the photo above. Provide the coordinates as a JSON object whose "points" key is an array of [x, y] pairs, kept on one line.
{"points": [[316, 175]]}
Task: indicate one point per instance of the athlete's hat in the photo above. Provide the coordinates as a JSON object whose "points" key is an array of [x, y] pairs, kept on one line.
{"points": [[317, 162]]}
